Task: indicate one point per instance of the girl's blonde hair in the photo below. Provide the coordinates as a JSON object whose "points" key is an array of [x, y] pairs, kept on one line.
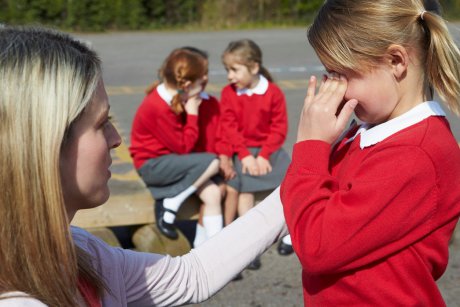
{"points": [[355, 34], [247, 53], [46, 81], [180, 66]]}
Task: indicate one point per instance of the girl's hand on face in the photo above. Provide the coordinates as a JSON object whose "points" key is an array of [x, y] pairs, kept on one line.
{"points": [[192, 105], [264, 165], [249, 165], [226, 167], [321, 118]]}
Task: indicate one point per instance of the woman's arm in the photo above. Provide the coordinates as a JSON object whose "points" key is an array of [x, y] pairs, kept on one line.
{"points": [[145, 279]]}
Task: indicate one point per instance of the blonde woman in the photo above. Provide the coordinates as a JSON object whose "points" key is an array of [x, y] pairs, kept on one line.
{"points": [[55, 142]]}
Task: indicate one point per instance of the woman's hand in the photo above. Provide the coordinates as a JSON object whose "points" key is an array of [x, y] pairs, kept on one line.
{"points": [[249, 165], [226, 167], [192, 105], [264, 165], [325, 114]]}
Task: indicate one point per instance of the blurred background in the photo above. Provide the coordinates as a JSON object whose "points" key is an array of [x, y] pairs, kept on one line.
{"points": [[104, 15]]}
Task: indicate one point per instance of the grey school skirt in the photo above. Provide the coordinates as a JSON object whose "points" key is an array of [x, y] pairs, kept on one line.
{"points": [[246, 183], [169, 175]]}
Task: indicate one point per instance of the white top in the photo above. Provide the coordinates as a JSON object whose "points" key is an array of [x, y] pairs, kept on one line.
{"points": [[145, 279]]}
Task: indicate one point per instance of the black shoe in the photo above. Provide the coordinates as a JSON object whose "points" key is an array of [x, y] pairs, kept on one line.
{"points": [[285, 249], [237, 277], [169, 230], [255, 264]]}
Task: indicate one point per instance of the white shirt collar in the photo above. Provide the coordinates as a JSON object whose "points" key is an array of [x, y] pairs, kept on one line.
{"points": [[166, 96], [373, 135], [259, 89]]}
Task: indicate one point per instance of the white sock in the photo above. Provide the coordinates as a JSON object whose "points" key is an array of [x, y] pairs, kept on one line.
{"points": [[200, 235], [173, 203], [213, 224], [287, 240], [169, 217]]}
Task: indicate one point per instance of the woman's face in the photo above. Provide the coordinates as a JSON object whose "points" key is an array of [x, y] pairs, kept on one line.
{"points": [[85, 158]]}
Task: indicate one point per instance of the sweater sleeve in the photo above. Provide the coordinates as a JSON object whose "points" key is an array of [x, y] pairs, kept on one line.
{"points": [[278, 125], [387, 206], [229, 126], [177, 138]]}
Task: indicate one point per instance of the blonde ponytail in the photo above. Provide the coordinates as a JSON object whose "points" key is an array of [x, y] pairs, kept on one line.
{"points": [[442, 66]]}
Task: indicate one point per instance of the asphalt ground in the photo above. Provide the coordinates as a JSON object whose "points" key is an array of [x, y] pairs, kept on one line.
{"points": [[131, 61]]}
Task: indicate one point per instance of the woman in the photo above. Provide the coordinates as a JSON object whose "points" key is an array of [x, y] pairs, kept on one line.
{"points": [[55, 138]]}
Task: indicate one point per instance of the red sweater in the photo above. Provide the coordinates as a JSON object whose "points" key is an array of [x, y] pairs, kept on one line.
{"points": [[371, 226], [157, 131], [208, 124], [252, 121]]}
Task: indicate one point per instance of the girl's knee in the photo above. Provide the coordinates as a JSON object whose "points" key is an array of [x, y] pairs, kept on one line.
{"points": [[214, 166], [211, 194]]}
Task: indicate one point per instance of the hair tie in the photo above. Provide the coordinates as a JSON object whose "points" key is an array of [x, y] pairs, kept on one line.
{"points": [[421, 14]]}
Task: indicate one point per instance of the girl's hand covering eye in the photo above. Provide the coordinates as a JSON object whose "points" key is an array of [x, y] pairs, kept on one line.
{"points": [[325, 114]]}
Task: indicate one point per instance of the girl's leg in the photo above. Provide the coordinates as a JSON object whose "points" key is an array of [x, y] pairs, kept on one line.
{"points": [[245, 203], [166, 209], [210, 194], [200, 234], [173, 203], [230, 205]]}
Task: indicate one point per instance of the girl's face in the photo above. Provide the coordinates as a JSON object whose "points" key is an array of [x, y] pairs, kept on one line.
{"points": [[85, 158], [196, 87], [377, 94], [240, 75]]}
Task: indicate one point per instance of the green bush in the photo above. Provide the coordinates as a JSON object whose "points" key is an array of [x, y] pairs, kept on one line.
{"points": [[101, 15]]}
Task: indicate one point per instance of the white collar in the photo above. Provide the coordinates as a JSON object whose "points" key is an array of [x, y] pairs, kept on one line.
{"points": [[166, 96], [373, 135], [259, 89]]}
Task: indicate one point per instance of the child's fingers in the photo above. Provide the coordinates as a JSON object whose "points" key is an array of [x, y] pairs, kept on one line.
{"points": [[311, 88], [345, 114]]}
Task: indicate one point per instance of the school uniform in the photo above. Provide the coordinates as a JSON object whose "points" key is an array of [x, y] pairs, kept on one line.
{"points": [[162, 145], [371, 219], [254, 122]]}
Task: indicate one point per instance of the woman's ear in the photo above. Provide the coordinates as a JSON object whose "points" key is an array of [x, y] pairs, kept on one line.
{"points": [[398, 58]]}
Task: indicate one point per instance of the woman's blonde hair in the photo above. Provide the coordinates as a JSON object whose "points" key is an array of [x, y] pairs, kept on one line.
{"points": [[247, 53], [355, 34], [46, 81]]}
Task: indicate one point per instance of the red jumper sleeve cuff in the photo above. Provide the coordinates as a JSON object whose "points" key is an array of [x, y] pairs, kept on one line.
{"points": [[311, 156], [265, 153], [243, 153], [192, 120]]}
